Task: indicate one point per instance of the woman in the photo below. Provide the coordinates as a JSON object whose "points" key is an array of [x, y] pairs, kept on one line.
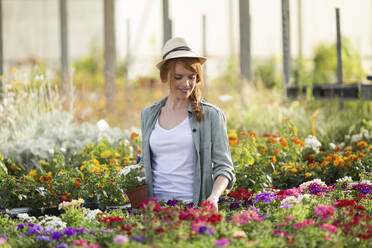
{"points": [[185, 149]]}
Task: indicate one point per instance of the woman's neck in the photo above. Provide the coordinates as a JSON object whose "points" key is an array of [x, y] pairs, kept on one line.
{"points": [[173, 103]]}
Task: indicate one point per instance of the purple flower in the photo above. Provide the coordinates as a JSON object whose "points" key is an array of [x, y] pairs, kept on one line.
{"points": [[366, 191], [92, 232], [70, 231], [247, 203], [211, 231], [263, 215], [57, 235], [20, 226], [222, 242], [61, 245], [344, 185], [139, 239], [202, 229], [43, 238], [265, 197], [190, 205], [286, 205], [80, 230], [120, 239], [172, 203], [223, 200], [31, 224], [34, 230], [3, 236], [234, 205]]}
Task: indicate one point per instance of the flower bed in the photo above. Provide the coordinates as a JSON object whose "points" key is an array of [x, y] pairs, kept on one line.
{"points": [[312, 215]]}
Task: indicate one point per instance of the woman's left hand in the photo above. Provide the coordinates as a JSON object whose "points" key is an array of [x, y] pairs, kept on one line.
{"points": [[213, 200]]}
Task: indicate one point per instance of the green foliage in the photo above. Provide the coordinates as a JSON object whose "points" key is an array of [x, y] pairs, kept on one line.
{"points": [[325, 63], [268, 73]]}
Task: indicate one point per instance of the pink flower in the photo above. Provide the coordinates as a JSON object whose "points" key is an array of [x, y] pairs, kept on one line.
{"points": [[80, 242], [280, 233], [327, 237], [121, 239], [331, 228], [290, 218], [93, 246], [303, 224], [2, 241], [222, 242], [324, 212], [282, 224]]}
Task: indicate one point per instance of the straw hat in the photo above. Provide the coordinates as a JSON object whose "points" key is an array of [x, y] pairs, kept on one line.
{"points": [[178, 48]]}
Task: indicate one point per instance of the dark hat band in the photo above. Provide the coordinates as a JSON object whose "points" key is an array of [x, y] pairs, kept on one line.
{"points": [[181, 48]]}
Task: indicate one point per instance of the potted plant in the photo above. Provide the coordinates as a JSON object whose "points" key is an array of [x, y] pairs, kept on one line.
{"points": [[134, 184]]}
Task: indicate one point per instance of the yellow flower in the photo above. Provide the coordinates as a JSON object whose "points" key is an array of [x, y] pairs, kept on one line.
{"points": [[49, 174], [307, 174], [82, 167], [233, 138], [14, 70], [293, 170], [116, 154], [362, 144], [105, 154], [1, 157], [118, 168], [32, 173], [91, 195], [43, 162]]}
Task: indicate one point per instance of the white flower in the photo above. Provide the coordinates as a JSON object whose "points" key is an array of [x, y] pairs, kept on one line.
{"points": [[333, 146], [26, 217], [312, 142], [127, 169], [53, 222], [91, 215], [344, 179], [42, 191], [356, 137], [317, 180], [368, 182], [102, 125]]}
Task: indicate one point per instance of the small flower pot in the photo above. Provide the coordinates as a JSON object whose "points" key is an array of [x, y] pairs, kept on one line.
{"points": [[137, 196]]}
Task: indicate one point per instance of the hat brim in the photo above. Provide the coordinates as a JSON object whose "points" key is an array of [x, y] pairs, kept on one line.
{"points": [[181, 54]]}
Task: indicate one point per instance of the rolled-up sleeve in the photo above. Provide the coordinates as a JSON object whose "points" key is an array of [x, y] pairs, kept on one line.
{"points": [[221, 156]]}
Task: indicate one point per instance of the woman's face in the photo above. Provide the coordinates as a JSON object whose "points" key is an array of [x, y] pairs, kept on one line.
{"points": [[183, 82]]}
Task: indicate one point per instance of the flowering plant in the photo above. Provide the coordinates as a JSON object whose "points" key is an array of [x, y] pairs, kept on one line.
{"points": [[133, 176]]}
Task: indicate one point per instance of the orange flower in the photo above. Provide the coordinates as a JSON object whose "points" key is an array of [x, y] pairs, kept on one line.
{"points": [[244, 134], [276, 151], [273, 159], [298, 141], [77, 185], [42, 179], [337, 149], [361, 155], [307, 174], [283, 142], [113, 160], [133, 135], [253, 134], [112, 180], [347, 152]]}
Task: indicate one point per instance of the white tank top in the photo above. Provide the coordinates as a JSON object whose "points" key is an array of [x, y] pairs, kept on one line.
{"points": [[172, 162]]}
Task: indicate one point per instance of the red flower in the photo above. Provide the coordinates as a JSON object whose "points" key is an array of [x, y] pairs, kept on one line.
{"points": [[159, 230]]}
